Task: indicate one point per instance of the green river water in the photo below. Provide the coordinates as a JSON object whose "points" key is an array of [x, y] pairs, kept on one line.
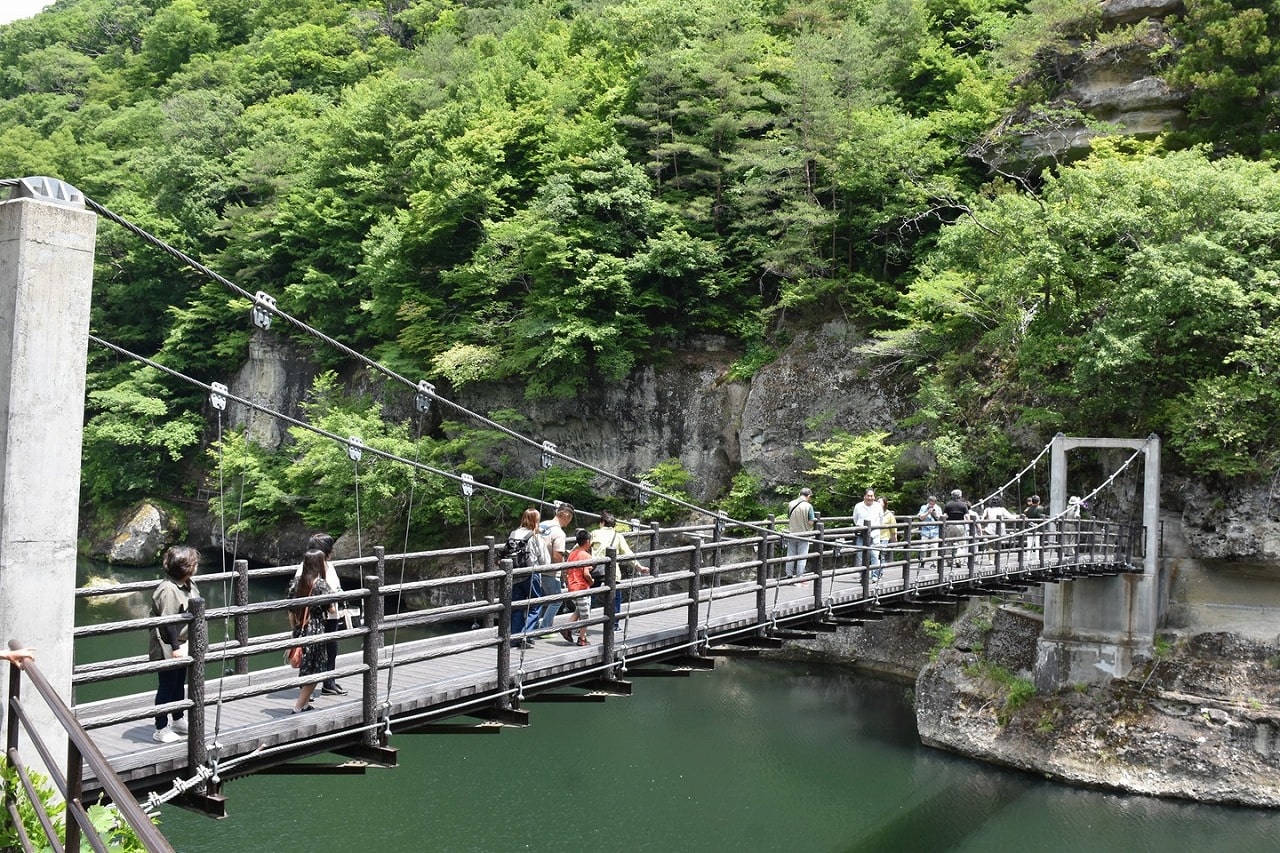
{"points": [[755, 756]]}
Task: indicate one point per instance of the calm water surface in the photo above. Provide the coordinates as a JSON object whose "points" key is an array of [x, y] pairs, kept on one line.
{"points": [[754, 756]]}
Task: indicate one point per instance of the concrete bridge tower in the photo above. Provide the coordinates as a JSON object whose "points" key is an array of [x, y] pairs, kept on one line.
{"points": [[47, 240], [1096, 629]]}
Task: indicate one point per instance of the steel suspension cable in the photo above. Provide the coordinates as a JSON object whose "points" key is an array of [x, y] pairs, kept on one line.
{"points": [[309, 427]]}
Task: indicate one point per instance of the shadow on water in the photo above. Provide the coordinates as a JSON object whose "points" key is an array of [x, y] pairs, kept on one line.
{"points": [[935, 824]]}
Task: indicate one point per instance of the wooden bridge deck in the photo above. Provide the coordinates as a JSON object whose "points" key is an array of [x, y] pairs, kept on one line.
{"points": [[250, 734]]}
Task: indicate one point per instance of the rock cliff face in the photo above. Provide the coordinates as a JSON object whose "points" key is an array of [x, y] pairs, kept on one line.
{"points": [[1106, 86], [1202, 723]]}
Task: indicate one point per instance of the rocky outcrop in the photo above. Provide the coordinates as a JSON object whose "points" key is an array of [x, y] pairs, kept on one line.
{"points": [[141, 536], [276, 375], [1200, 722], [1103, 87]]}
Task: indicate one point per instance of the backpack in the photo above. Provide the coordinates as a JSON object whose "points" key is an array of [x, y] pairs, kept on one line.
{"points": [[517, 551]]}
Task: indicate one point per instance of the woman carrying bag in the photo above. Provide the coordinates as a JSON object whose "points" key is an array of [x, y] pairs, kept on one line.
{"points": [[309, 622]]}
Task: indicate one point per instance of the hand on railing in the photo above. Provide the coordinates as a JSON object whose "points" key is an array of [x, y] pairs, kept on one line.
{"points": [[17, 656]]}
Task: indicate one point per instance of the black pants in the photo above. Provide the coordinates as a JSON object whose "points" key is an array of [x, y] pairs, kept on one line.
{"points": [[331, 649], [173, 688]]}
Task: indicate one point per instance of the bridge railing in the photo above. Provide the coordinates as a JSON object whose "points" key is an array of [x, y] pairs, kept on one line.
{"points": [[81, 751], [685, 568]]}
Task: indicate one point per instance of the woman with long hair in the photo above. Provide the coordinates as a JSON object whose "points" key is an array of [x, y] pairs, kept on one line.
{"points": [[170, 598], [308, 621]]}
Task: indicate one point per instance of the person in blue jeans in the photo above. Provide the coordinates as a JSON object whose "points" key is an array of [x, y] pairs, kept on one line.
{"points": [[552, 533], [527, 550]]}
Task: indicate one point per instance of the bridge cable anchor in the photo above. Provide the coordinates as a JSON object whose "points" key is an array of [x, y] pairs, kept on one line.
{"points": [[218, 395], [426, 391], [355, 448], [264, 305], [548, 454]]}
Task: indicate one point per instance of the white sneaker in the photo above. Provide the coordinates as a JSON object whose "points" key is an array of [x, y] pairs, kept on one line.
{"points": [[180, 725], [166, 735]]}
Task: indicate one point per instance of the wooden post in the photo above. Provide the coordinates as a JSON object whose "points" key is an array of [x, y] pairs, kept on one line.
{"points": [[487, 586], [198, 648], [762, 579], [695, 592], [820, 532], [611, 576], [242, 618], [906, 551], [374, 616], [504, 634]]}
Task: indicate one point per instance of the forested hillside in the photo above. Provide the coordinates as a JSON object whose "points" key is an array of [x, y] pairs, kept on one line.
{"points": [[557, 192]]}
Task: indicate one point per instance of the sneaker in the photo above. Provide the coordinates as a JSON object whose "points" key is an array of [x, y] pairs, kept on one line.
{"points": [[166, 735], [180, 725], [333, 690]]}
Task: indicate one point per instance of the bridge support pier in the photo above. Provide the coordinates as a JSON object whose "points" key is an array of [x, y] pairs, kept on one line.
{"points": [[47, 240], [1096, 629]]}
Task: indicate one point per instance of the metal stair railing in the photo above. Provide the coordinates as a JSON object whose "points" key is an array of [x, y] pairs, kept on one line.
{"points": [[81, 750]]}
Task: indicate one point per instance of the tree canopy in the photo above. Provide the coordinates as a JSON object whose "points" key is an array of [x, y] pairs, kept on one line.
{"points": [[480, 190]]}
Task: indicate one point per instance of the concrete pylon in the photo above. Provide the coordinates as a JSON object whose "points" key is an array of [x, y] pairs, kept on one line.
{"points": [[1096, 629], [47, 242]]}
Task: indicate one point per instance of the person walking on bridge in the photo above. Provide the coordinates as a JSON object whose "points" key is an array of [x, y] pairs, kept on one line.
{"points": [[930, 513], [956, 512], [526, 550], [553, 534], [800, 522], [308, 621], [578, 579], [604, 538], [868, 516], [172, 597], [332, 621]]}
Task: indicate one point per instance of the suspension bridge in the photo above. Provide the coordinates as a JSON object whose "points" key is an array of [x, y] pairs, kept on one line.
{"points": [[715, 588]]}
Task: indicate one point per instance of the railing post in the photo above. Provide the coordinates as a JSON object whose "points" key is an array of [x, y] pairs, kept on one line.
{"points": [[486, 586], [971, 547], [374, 617], [14, 694], [611, 576], [75, 780], [654, 530], [242, 619], [819, 531], [198, 648], [695, 593], [762, 577], [504, 634], [906, 556]]}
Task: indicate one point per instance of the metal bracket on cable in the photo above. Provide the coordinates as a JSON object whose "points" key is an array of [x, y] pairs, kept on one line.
{"points": [[645, 491], [218, 395], [423, 399], [548, 454], [264, 305], [722, 518], [355, 448], [468, 485], [519, 685]]}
